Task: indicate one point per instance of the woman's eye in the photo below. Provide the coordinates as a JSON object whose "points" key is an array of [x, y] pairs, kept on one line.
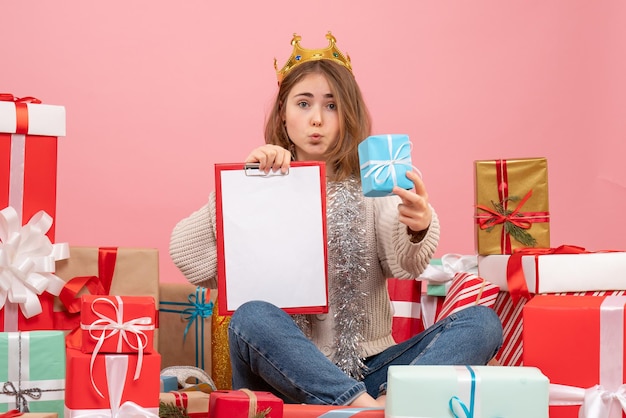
{"points": [[332, 106], [302, 104]]}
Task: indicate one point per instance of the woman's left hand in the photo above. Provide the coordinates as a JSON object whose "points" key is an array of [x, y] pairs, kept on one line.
{"points": [[414, 211]]}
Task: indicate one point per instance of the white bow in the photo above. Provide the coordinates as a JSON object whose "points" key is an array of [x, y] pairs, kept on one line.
{"points": [[27, 261], [596, 401]]}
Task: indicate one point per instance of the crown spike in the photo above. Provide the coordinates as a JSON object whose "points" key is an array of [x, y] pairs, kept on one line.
{"points": [[300, 55]]}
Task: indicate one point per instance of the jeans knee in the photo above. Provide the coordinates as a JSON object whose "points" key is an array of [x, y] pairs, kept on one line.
{"points": [[491, 324], [252, 315]]}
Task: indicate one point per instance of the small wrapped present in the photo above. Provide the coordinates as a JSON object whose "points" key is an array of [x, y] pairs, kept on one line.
{"points": [[384, 161], [511, 205], [126, 271], [467, 290], [330, 411], [28, 156], [117, 324], [28, 281], [405, 296], [185, 314], [244, 403], [578, 342], [32, 371], [168, 384], [466, 391], [195, 404], [109, 384]]}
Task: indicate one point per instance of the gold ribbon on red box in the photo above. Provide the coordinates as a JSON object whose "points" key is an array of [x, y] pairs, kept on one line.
{"points": [[523, 181]]}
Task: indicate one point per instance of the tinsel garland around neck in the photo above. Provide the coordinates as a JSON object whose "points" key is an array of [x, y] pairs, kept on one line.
{"points": [[346, 271]]}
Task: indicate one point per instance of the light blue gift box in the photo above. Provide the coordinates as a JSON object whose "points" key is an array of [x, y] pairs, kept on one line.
{"points": [[384, 160], [467, 392], [32, 371]]}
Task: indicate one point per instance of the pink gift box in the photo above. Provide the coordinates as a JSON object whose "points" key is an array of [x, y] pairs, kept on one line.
{"points": [[117, 324]]}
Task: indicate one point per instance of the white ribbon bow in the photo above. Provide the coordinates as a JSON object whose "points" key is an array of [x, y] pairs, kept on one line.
{"points": [[116, 369], [383, 169], [27, 261], [451, 264], [116, 325], [596, 402]]}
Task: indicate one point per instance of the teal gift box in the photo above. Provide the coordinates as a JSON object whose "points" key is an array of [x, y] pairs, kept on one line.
{"points": [[466, 391], [384, 161], [32, 371]]}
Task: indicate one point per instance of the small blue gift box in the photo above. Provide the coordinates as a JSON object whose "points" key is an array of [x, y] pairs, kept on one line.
{"points": [[168, 383], [384, 160]]}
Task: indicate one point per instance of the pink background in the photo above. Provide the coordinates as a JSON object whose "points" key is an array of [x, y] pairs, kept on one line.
{"points": [[157, 92]]}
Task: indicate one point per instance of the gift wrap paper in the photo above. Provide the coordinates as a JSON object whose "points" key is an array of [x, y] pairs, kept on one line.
{"points": [[239, 403], [484, 391], [117, 324], [196, 404], [578, 341], [384, 161], [185, 314], [557, 273], [31, 362], [28, 156], [112, 382], [328, 411], [405, 296], [221, 371], [124, 271], [499, 181]]}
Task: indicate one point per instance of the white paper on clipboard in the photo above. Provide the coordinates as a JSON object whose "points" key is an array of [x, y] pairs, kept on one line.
{"points": [[272, 238]]}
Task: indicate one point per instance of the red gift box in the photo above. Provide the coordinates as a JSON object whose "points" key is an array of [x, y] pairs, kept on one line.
{"points": [[28, 155], [405, 298], [240, 403], [330, 411], [107, 383], [578, 342], [117, 324]]}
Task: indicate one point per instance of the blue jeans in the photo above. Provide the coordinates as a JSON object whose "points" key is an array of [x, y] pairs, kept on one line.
{"points": [[268, 352]]}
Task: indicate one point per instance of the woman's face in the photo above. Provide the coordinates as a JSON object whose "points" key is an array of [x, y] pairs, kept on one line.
{"points": [[311, 117]]}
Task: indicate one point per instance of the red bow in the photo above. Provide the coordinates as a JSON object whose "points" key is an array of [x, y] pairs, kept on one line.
{"points": [[515, 278]]}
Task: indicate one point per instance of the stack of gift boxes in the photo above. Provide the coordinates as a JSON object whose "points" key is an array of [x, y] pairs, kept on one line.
{"points": [[112, 366], [562, 307], [43, 283]]}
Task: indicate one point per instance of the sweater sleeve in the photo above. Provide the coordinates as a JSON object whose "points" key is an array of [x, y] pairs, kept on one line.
{"points": [[401, 258], [193, 247]]}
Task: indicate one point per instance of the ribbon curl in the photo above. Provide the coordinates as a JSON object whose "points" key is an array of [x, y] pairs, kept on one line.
{"points": [[27, 261]]}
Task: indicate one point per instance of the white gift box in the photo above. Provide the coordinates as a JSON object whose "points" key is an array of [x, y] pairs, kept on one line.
{"points": [[557, 273], [472, 391]]}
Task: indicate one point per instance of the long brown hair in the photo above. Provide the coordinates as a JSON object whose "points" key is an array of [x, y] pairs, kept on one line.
{"points": [[354, 118]]}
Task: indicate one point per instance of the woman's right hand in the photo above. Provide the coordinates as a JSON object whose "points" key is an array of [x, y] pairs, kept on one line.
{"points": [[270, 157]]}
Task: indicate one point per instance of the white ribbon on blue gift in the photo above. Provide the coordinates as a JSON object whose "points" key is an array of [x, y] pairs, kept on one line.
{"points": [[383, 169], [27, 264], [608, 398]]}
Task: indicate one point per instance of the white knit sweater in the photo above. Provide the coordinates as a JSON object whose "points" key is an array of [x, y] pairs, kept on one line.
{"points": [[389, 248]]}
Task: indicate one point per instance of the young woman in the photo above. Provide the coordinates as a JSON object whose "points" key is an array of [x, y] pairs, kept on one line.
{"points": [[340, 358]]}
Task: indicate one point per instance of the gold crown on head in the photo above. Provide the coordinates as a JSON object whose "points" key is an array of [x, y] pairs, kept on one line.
{"points": [[300, 55]]}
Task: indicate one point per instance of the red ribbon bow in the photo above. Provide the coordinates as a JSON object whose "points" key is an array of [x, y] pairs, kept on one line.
{"points": [[21, 110], [515, 278]]}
